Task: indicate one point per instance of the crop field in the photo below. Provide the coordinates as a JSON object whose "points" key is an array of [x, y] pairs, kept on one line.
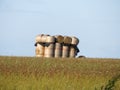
{"points": [[31, 73]]}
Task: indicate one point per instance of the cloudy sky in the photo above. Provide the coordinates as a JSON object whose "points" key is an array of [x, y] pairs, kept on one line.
{"points": [[95, 22]]}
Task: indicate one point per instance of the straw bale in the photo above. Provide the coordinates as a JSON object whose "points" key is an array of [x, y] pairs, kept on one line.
{"points": [[67, 40], [65, 51], [38, 38], [73, 51], [49, 50], [81, 56], [39, 50], [59, 38], [44, 38], [50, 39], [58, 50], [75, 41]]}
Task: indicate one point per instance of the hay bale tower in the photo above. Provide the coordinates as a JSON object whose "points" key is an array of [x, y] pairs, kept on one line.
{"points": [[56, 46]]}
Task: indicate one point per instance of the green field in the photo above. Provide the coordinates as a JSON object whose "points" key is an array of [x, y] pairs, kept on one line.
{"points": [[30, 73]]}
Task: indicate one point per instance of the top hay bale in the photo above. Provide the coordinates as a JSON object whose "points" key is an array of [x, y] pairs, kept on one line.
{"points": [[67, 40], [38, 38], [50, 39], [44, 38], [75, 41], [63, 39], [59, 38], [41, 38]]}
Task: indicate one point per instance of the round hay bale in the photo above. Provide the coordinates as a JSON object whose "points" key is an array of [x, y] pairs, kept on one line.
{"points": [[65, 51], [58, 50], [59, 38], [50, 39], [75, 41], [44, 38], [73, 52], [39, 51], [49, 50], [67, 40], [82, 56], [38, 38]]}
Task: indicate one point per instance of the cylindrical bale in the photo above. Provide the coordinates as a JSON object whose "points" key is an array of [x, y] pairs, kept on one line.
{"points": [[49, 50], [73, 51], [59, 38], [50, 39], [38, 38], [44, 38], [73, 47], [65, 50], [67, 40], [49, 46], [58, 50], [39, 51], [75, 41]]}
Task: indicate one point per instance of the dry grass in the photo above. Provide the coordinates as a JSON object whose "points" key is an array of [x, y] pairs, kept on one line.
{"points": [[30, 73]]}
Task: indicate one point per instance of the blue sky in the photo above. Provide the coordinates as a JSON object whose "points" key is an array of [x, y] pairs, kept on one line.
{"points": [[95, 22]]}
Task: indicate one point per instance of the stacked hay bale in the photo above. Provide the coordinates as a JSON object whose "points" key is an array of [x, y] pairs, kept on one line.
{"points": [[56, 46], [66, 46], [40, 45], [73, 47], [49, 46]]}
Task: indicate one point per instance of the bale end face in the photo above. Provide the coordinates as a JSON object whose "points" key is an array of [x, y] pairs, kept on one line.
{"points": [[59, 38], [67, 40]]}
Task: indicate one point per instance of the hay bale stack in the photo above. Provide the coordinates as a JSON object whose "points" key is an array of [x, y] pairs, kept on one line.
{"points": [[56, 46], [49, 46]]}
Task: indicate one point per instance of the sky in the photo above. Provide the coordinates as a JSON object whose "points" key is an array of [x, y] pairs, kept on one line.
{"points": [[95, 22]]}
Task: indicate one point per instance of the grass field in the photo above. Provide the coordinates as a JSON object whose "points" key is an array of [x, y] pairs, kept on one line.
{"points": [[30, 73]]}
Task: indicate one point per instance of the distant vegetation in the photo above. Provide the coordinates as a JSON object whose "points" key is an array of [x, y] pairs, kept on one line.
{"points": [[31, 73]]}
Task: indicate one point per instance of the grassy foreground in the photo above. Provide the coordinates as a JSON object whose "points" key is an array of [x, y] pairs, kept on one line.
{"points": [[30, 73]]}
